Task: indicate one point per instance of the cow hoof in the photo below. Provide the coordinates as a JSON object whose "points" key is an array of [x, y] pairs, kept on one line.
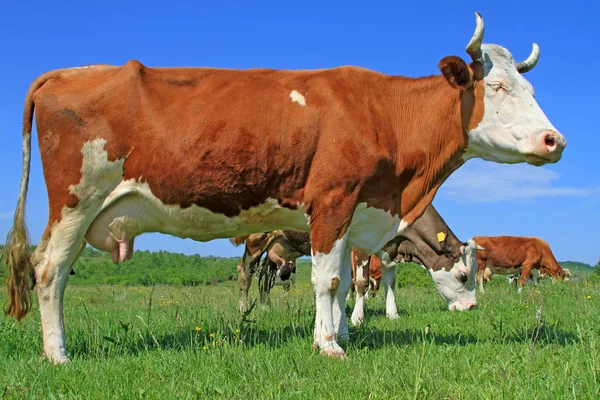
{"points": [[393, 316], [63, 360], [333, 353], [357, 321]]}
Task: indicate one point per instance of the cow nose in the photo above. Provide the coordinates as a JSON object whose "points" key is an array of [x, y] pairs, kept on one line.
{"points": [[473, 306], [554, 143]]}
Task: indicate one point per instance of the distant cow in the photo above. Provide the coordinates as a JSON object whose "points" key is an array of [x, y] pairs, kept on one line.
{"points": [[352, 155], [281, 249], [432, 244], [506, 255]]}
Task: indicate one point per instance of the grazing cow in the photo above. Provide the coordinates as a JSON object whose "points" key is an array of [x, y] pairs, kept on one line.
{"points": [[431, 243], [366, 273], [511, 254], [282, 248], [351, 155]]}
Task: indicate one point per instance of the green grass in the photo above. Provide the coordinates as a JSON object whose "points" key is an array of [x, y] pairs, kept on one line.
{"points": [[124, 347]]}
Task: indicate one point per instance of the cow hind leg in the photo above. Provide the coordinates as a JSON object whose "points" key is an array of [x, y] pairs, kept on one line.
{"points": [[53, 260]]}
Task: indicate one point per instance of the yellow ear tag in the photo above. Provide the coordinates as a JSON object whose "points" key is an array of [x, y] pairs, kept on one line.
{"points": [[441, 236]]}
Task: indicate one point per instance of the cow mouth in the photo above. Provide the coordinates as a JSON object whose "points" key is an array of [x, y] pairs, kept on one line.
{"points": [[536, 160]]}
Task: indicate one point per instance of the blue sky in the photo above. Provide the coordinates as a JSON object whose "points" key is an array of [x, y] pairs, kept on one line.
{"points": [[559, 203]]}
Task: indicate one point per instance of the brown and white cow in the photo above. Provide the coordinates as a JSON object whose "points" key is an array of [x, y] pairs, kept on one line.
{"points": [[353, 155], [432, 244], [507, 255], [282, 248]]}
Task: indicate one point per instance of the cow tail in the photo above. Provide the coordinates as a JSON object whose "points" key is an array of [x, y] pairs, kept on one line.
{"points": [[20, 279]]}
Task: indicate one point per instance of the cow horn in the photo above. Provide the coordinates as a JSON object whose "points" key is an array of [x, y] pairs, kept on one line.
{"points": [[530, 62], [474, 46]]}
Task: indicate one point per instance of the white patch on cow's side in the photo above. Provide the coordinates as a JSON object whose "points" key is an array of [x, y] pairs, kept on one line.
{"points": [[331, 279], [297, 98], [459, 295], [372, 228], [513, 126], [99, 177]]}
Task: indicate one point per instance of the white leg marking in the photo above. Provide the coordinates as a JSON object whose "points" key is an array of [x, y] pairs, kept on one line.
{"points": [[388, 277], [358, 314], [327, 278]]}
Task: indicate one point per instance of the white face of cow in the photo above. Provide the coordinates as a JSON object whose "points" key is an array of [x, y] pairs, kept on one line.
{"points": [[513, 128], [457, 286]]}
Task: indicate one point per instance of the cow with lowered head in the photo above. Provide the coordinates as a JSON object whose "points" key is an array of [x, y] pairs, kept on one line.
{"points": [[432, 244]]}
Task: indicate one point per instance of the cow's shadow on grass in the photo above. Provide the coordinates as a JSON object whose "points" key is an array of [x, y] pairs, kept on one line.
{"points": [[370, 337], [374, 312]]}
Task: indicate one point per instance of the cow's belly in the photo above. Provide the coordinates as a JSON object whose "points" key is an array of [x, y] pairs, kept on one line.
{"points": [[132, 209], [504, 271], [372, 228]]}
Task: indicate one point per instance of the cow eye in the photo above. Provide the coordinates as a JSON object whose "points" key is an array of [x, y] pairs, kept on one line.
{"points": [[497, 86], [463, 277]]}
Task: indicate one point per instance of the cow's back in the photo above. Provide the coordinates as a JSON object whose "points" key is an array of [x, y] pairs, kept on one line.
{"points": [[193, 134], [508, 251]]}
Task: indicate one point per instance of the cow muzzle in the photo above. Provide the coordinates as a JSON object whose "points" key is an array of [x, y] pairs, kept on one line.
{"points": [[547, 148], [462, 307]]}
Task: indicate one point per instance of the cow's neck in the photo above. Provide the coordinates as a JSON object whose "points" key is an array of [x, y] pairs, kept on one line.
{"points": [[431, 138]]}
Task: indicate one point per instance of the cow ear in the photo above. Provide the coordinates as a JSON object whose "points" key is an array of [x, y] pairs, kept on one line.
{"points": [[457, 72], [462, 249]]}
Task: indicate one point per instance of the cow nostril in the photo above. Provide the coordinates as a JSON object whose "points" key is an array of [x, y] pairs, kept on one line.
{"points": [[473, 306], [550, 142]]}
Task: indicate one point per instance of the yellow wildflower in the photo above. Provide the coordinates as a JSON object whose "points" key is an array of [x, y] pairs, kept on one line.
{"points": [[204, 348], [237, 331], [198, 329], [212, 335], [589, 297], [526, 306]]}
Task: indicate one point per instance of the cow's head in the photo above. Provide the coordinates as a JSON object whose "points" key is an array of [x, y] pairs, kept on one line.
{"points": [[457, 285], [502, 119]]}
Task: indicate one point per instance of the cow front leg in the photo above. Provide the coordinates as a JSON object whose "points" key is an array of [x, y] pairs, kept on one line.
{"points": [[329, 284], [480, 274], [339, 301], [244, 280], [388, 277], [525, 272], [361, 286]]}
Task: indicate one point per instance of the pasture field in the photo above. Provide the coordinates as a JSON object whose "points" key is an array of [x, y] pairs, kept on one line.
{"points": [[172, 342]]}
